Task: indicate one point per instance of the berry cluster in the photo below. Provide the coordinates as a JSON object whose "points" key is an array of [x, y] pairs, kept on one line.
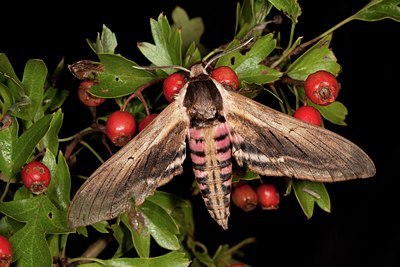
{"points": [[248, 198], [321, 88]]}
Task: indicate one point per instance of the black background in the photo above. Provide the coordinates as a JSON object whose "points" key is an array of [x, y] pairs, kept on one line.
{"points": [[363, 228]]}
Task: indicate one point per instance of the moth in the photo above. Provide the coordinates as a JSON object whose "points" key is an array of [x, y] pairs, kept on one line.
{"points": [[218, 125]]}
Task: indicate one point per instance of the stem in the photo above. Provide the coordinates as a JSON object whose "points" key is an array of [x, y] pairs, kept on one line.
{"points": [[301, 47], [96, 247], [81, 133], [285, 54], [138, 93], [291, 35], [5, 190], [85, 260], [243, 243], [92, 150], [276, 93]]}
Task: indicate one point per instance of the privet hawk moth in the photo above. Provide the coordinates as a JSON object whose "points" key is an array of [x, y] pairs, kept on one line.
{"points": [[218, 124]]}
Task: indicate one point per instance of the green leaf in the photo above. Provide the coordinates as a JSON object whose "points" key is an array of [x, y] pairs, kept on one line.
{"points": [[120, 78], [9, 226], [123, 237], [53, 98], [290, 7], [247, 66], [174, 258], [105, 43], [30, 247], [318, 57], [140, 235], [5, 100], [101, 227], [59, 188], [335, 112], [191, 29], [8, 140], [192, 55], [167, 49], [250, 18], [27, 143], [50, 140], [161, 225], [181, 210], [33, 81], [307, 193], [378, 10]]}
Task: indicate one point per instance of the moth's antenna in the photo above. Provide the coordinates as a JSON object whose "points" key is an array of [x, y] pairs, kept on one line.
{"points": [[227, 52], [161, 67]]}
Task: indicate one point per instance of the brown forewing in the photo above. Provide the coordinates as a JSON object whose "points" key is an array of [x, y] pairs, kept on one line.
{"points": [[276, 144], [148, 161]]}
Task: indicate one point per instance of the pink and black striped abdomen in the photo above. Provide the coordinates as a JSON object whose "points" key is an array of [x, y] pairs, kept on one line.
{"points": [[210, 151]]}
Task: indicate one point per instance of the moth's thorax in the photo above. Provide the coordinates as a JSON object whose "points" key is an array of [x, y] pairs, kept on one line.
{"points": [[203, 102]]}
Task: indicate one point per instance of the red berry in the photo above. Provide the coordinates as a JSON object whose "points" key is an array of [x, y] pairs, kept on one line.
{"points": [[120, 127], [268, 196], [87, 98], [245, 197], [5, 252], [226, 76], [146, 120], [321, 87], [36, 177], [308, 114], [173, 85]]}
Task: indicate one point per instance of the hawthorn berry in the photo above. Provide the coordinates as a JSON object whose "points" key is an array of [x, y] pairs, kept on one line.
{"points": [[321, 87], [245, 197], [120, 127], [36, 177], [226, 76], [308, 114], [173, 85], [87, 98], [146, 120], [5, 252], [268, 196]]}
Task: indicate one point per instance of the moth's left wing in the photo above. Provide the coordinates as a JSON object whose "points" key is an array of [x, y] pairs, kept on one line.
{"points": [[148, 161], [275, 144]]}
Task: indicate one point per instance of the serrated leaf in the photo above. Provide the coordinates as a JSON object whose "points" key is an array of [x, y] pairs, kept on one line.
{"points": [[378, 10], [167, 47], [106, 42], [247, 66], [41, 217], [174, 258], [59, 188], [50, 140], [27, 143], [307, 193], [119, 78], [250, 17], [8, 141], [161, 225], [35, 74], [191, 29], [192, 55], [290, 7], [318, 57]]}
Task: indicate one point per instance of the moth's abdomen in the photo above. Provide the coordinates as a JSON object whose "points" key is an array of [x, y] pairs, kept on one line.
{"points": [[210, 151]]}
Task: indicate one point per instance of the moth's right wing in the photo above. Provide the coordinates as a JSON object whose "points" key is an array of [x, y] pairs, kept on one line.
{"points": [[148, 161]]}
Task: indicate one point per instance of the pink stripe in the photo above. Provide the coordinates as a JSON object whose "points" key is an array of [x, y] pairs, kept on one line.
{"points": [[224, 156], [197, 160], [227, 169], [196, 146], [196, 133]]}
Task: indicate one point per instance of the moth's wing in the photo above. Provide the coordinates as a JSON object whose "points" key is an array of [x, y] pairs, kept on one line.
{"points": [[275, 144], [148, 161]]}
